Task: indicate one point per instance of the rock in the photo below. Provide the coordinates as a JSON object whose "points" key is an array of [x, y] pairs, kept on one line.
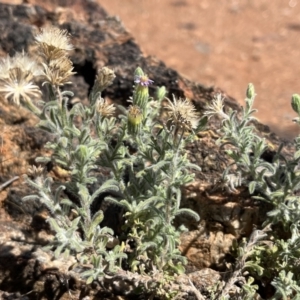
{"points": [[206, 250]]}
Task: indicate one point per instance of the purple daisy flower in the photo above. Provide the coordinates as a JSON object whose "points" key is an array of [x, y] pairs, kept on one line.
{"points": [[143, 80]]}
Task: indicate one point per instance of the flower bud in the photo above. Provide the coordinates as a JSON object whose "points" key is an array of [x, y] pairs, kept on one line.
{"points": [[135, 117], [161, 93], [138, 72], [296, 103], [141, 93], [103, 108], [104, 79], [250, 91]]}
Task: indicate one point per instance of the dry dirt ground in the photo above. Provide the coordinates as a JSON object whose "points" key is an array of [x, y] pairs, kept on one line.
{"points": [[227, 44]]}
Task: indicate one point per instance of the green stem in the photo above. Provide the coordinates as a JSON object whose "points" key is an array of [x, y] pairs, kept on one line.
{"points": [[30, 106], [173, 168], [52, 92]]}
